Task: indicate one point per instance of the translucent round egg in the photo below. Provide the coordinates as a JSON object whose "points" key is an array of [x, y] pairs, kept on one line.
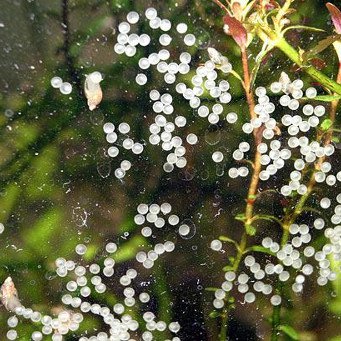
{"points": [[66, 88], [181, 28], [56, 82], [217, 156], [189, 39], [133, 17], [150, 13], [141, 79]]}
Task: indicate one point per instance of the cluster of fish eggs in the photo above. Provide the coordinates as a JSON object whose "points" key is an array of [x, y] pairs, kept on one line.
{"points": [[162, 130], [128, 40], [297, 257], [113, 137], [89, 278], [121, 323], [274, 156], [302, 260], [262, 109], [205, 79], [65, 322], [64, 87], [160, 216], [170, 70]]}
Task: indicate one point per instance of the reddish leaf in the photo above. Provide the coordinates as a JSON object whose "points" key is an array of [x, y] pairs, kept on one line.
{"points": [[336, 16], [318, 63], [237, 30]]}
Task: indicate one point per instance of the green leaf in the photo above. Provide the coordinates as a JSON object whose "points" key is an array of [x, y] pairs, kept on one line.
{"points": [[259, 248], [212, 289], [302, 27], [43, 168], [236, 75], [326, 124], [336, 338], [268, 218], [321, 46], [214, 314], [91, 252], [127, 225], [228, 240], [45, 230], [336, 139], [289, 331], [240, 216], [250, 230], [129, 249], [324, 98], [228, 268], [8, 201], [311, 209]]}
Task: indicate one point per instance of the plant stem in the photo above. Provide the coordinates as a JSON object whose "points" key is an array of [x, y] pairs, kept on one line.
{"points": [[276, 317], [334, 104], [247, 83], [253, 187], [291, 218], [281, 43], [221, 5], [70, 62], [325, 81], [224, 324]]}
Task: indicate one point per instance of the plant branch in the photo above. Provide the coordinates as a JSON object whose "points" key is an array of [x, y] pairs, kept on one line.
{"points": [[70, 63], [221, 5], [247, 84], [291, 217], [267, 35], [253, 187]]}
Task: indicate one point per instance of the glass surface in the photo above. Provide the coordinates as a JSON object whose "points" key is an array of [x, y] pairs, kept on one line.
{"points": [[170, 170]]}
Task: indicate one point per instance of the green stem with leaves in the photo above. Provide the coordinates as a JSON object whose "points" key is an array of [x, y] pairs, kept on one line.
{"points": [[291, 216], [252, 191], [268, 35]]}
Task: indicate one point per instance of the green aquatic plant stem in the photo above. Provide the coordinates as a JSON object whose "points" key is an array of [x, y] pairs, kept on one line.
{"points": [[291, 217], [224, 323], [70, 62], [334, 106], [163, 295], [284, 9], [253, 187], [270, 36]]}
